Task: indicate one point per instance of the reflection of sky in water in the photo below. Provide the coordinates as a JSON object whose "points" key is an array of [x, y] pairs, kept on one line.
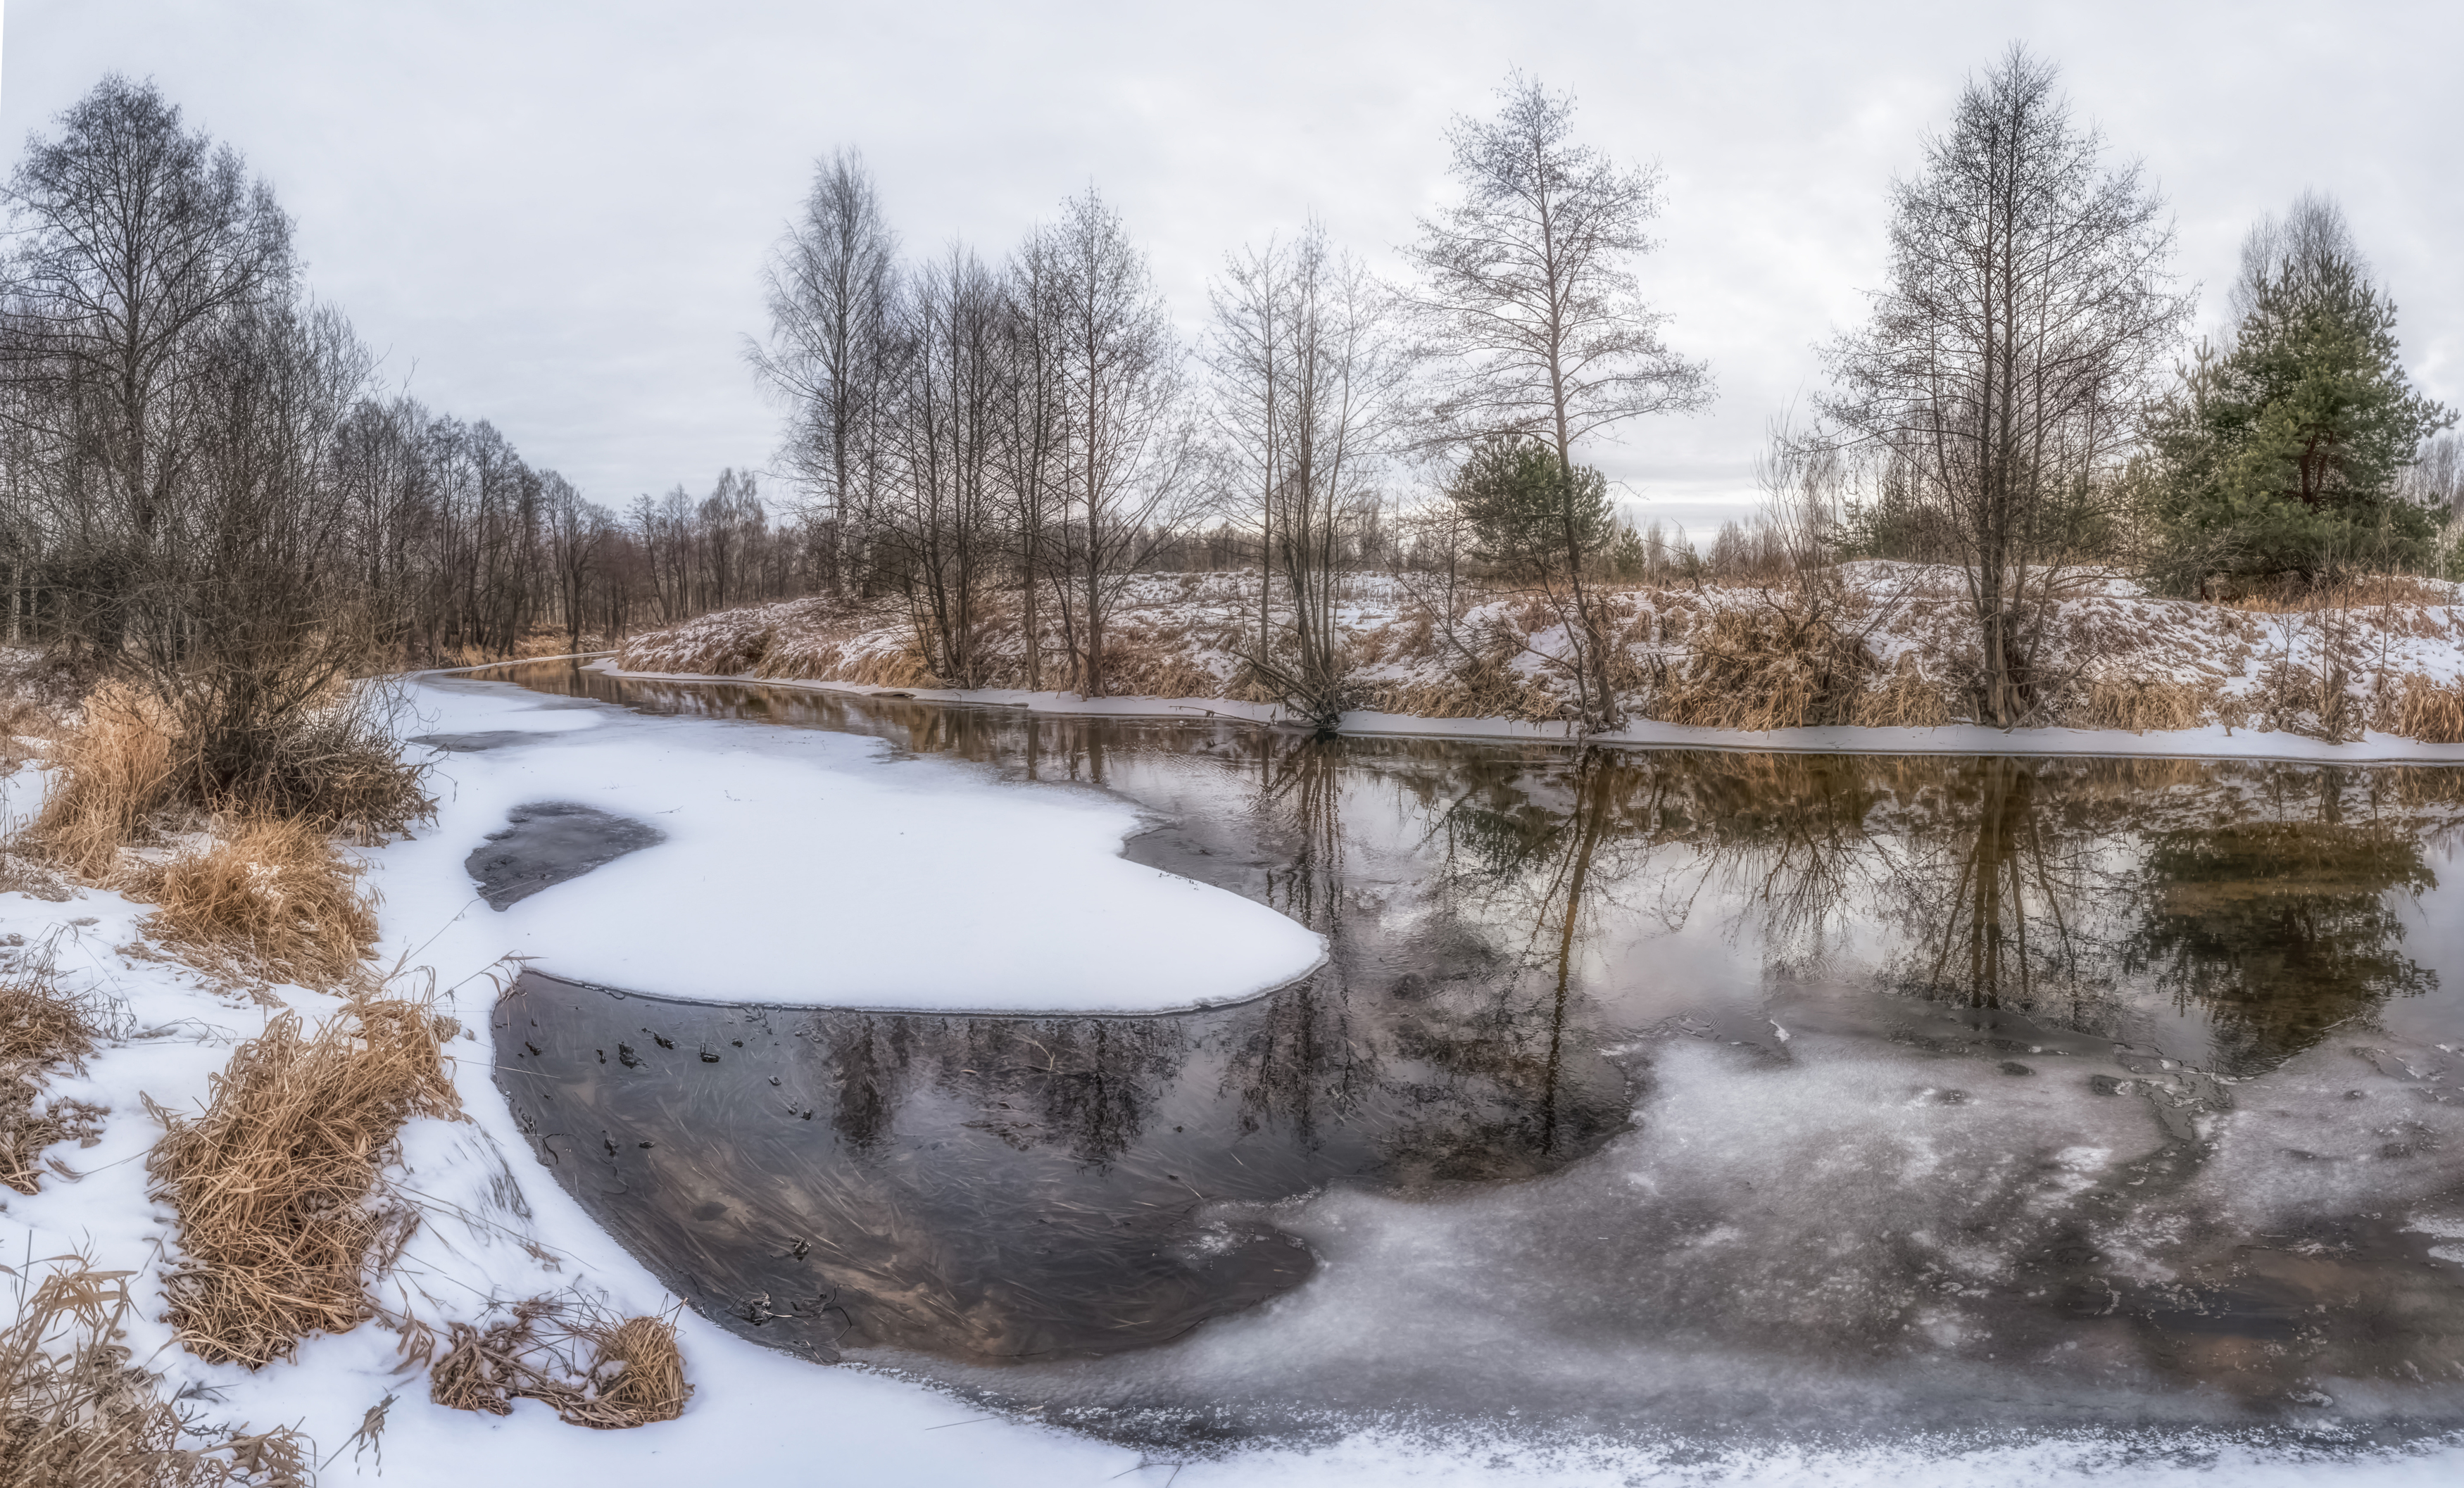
{"points": [[1953, 1093]]}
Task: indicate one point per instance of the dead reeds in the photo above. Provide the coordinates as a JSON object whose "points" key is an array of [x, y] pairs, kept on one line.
{"points": [[603, 1372], [267, 897], [272, 1183], [2417, 707], [2139, 703], [120, 769], [76, 1412], [40, 1027], [1768, 668]]}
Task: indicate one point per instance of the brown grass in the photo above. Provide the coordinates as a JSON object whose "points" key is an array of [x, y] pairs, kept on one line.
{"points": [[270, 1184], [1768, 668], [635, 1374], [1136, 666], [120, 767], [267, 898], [1485, 685], [40, 1027], [75, 1412], [2420, 709], [1906, 699], [2139, 703], [2295, 596]]}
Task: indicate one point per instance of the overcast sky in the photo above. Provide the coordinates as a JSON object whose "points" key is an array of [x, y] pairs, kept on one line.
{"points": [[553, 216]]}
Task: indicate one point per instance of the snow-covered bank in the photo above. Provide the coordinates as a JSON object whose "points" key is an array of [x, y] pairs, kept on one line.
{"points": [[2210, 741], [809, 868], [2119, 670]]}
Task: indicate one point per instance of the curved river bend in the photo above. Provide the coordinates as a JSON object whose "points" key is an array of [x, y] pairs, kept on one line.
{"points": [[1645, 1094]]}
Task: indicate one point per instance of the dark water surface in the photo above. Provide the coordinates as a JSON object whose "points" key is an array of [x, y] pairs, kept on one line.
{"points": [[1643, 1091]]}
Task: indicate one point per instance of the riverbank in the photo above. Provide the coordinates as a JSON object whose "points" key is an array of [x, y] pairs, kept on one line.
{"points": [[2123, 673], [494, 1228]]}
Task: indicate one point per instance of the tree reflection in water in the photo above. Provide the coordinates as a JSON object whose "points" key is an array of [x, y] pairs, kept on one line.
{"points": [[1005, 1188]]}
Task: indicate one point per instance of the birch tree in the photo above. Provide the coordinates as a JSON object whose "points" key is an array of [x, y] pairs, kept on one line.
{"points": [[1533, 321]]}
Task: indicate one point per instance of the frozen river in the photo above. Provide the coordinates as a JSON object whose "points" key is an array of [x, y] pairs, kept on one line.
{"points": [[1649, 1095]]}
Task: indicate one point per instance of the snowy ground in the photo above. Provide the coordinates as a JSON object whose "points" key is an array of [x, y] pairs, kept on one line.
{"points": [[714, 910], [1177, 641]]}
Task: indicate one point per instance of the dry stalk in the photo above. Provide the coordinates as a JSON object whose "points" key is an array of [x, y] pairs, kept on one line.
{"points": [[120, 768], [272, 1184], [267, 898], [78, 1413]]}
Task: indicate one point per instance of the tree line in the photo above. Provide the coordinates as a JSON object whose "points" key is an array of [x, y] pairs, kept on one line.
{"points": [[201, 471], [200, 466]]}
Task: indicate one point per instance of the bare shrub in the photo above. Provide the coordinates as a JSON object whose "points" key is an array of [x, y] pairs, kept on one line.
{"points": [[2420, 709], [40, 1027], [635, 1373], [269, 897], [75, 1412], [272, 1184], [339, 767], [2139, 703], [1766, 667]]}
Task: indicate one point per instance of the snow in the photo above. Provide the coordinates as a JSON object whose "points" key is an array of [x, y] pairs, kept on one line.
{"points": [[807, 868], [734, 901]]}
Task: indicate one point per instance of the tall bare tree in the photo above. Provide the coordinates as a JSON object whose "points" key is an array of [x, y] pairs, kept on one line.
{"points": [[1532, 322], [830, 287], [2011, 357], [1125, 448], [1305, 397]]}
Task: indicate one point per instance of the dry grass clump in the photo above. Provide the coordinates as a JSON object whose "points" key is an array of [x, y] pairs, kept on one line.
{"points": [[75, 1412], [1485, 685], [1768, 668], [272, 1183], [1138, 665], [269, 897], [339, 769], [2139, 703], [2296, 595], [1905, 699], [40, 1027], [2417, 707], [120, 774], [635, 1373]]}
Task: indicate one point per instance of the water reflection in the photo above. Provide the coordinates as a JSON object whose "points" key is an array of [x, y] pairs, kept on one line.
{"points": [[1525, 942]]}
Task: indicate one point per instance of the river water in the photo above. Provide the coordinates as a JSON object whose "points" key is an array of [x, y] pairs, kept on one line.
{"points": [[1645, 1094]]}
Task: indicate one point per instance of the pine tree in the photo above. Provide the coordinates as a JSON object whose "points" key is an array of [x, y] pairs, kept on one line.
{"points": [[2285, 456]]}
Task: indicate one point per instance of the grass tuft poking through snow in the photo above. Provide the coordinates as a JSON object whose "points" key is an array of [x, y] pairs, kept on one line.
{"points": [[268, 898], [75, 1412], [40, 1027], [272, 1183], [635, 1374]]}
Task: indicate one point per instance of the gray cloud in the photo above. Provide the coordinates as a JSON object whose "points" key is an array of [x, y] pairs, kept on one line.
{"points": [[553, 215]]}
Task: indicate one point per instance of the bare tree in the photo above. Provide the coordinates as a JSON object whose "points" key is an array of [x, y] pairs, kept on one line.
{"points": [[2009, 363], [1532, 322], [941, 516], [1125, 451], [1028, 450], [1306, 388], [2311, 234], [830, 287]]}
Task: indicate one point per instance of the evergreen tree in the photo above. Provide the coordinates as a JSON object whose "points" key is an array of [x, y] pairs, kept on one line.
{"points": [[1508, 491], [2285, 454]]}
